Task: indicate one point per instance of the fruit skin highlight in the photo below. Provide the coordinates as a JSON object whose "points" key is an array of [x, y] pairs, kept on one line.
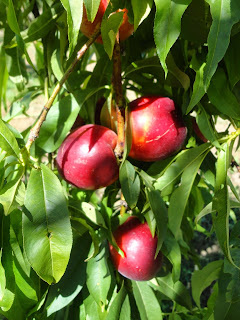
{"points": [[86, 157], [139, 247], [158, 130], [88, 28]]}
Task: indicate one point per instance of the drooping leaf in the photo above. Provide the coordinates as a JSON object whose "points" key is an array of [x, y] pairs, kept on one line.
{"points": [[116, 305], [225, 14], [201, 279], [46, 225], [130, 183], [2, 278], [147, 302], [74, 17], [232, 61], [167, 26]]}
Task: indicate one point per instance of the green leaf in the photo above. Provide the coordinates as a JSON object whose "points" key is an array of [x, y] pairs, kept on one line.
{"points": [[73, 280], [12, 195], [130, 183], [146, 301], [8, 142], [141, 11], [221, 96], [198, 86], [99, 278], [172, 252], [167, 26], [179, 198], [74, 10], [174, 291], [91, 8], [201, 279], [225, 14], [174, 171], [204, 124], [109, 29], [160, 213], [46, 225], [2, 278], [116, 305], [232, 61], [182, 77]]}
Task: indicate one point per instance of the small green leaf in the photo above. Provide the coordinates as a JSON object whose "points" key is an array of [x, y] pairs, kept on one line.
{"points": [[109, 29], [201, 279], [47, 231], [8, 142], [146, 300], [130, 183], [12, 195]]}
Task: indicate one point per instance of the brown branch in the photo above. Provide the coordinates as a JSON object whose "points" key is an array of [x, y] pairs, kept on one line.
{"points": [[34, 132], [119, 100]]}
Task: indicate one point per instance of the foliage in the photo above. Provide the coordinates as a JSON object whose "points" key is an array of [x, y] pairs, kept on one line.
{"points": [[54, 258]]}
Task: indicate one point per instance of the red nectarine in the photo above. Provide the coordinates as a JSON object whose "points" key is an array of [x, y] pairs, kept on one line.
{"points": [[86, 158], [139, 247], [158, 130]]}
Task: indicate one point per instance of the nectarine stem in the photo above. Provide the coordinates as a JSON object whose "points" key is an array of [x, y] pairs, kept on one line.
{"points": [[34, 133], [119, 100]]}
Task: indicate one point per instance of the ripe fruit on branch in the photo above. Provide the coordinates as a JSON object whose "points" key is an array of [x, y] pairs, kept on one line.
{"points": [[88, 28], [86, 158], [158, 130], [139, 247]]}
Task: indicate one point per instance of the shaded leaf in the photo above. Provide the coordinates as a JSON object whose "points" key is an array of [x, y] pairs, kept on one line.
{"points": [[130, 183], [141, 11], [91, 8], [8, 142]]}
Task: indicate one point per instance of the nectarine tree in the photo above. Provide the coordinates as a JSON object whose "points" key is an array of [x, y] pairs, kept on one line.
{"points": [[113, 203]]}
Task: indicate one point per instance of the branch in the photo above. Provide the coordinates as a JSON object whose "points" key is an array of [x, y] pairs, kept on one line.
{"points": [[34, 132], [119, 100]]}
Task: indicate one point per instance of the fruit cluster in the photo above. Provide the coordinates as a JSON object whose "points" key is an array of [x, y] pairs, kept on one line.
{"points": [[86, 159]]}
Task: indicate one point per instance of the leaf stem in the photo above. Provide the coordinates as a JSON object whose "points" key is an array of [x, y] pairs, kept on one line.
{"points": [[119, 100], [34, 132]]}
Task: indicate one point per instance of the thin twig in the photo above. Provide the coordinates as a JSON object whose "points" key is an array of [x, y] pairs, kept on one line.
{"points": [[34, 133], [119, 100]]}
